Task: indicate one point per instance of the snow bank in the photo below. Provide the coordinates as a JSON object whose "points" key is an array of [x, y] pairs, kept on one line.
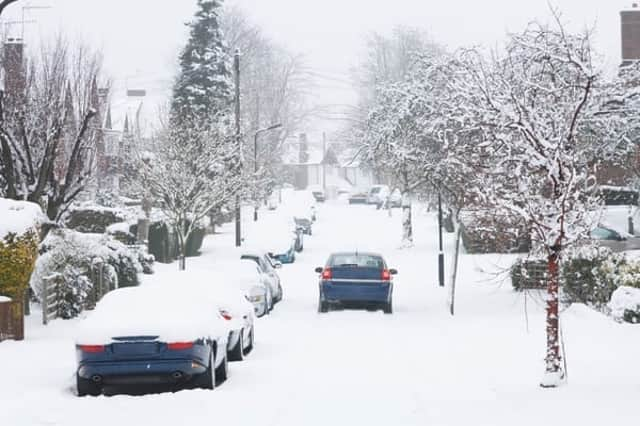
{"points": [[624, 299], [18, 217], [173, 313]]}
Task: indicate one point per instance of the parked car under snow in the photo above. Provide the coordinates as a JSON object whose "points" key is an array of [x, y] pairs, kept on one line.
{"points": [[151, 335]]}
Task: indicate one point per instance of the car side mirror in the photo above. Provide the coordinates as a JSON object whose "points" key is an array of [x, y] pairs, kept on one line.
{"points": [[319, 269], [393, 271], [271, 255], [277, 264]]}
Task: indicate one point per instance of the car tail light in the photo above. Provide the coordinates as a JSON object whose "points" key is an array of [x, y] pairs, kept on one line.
{"points": [[226, 315], [326, 274], [386, 275], [92, 349], [179, 346]]}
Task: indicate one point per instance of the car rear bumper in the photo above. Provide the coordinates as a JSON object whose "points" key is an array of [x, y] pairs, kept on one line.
{"points": [[128, 372], [356, 292]]}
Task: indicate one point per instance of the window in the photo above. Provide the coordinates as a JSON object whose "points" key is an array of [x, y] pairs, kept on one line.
{"points": [[356, 260]]}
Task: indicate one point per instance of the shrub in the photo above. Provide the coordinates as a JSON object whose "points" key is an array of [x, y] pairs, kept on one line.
{"points": [[625, 304], [529, 274], [79, 263], [93, 219]]}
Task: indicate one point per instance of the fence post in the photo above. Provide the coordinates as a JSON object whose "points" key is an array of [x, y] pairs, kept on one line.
{"points": [[45, 299]]}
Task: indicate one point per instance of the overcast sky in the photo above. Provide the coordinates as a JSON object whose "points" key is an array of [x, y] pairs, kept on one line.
{"points": [[141, 38]]}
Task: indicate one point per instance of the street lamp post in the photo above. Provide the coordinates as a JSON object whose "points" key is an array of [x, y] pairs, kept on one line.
{"points": [[255, 160], [236, 68]]}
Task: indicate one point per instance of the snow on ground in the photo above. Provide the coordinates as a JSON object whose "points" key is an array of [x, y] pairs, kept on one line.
{"points": [[419, 366]]}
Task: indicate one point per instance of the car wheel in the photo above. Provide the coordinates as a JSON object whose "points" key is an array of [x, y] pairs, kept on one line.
{"points": [[388, 307], [87, 387], [222, 372], [250, 345], [237, 352], [207, 380], [323, 307], [269, 301]]}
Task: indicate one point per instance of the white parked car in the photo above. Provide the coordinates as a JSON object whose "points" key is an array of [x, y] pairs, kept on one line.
{"points": [[268, 266], [378, 194], [245, 275], [235, 308]]}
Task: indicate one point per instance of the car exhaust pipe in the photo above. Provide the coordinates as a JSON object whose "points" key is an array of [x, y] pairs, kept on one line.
{"points": [[96, 378], [177, 375]]}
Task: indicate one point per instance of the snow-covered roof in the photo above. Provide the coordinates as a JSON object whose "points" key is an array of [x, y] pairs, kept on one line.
{"points": [[18, 217]]}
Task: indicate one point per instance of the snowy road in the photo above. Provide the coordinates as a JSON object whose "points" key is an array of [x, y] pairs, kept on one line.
{"points": [[419, 366]]}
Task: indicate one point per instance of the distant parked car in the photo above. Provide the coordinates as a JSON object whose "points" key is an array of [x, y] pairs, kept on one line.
{"points": [[358, 279], [395, 198], [304, 224], [615, 240], [268, 267], [150, 335], [378, 194], [318, 193], [358, 196]]}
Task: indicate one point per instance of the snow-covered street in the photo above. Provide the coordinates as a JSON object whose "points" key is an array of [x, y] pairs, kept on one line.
{"points": [[419, 366]]}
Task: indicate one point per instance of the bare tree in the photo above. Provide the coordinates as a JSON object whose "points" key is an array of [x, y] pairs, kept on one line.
{"points": [[47, 130]]}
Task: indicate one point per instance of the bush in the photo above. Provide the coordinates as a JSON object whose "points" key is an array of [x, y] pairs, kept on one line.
{"points": [[93, 219], [18, 255], [625, 304], [79, 263], [529, 274]]}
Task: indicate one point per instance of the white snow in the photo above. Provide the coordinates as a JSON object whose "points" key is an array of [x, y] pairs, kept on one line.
{"points": [[174, 314], [419, 366], [624, 298], [5, 299], [18, 217]]}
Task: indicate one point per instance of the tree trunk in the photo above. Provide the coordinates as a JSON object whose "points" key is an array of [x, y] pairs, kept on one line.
{"points": [[407, 226], [553, 361]]}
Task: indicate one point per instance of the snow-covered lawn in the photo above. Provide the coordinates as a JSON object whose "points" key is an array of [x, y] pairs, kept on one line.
{"points": [[419, 366]]}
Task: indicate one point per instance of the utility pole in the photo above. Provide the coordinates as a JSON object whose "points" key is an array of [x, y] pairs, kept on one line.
{"points": [[236, 67], [441, 251]]}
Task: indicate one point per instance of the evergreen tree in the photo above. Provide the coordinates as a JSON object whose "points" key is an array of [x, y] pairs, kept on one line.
{"points": [[203, 88]]}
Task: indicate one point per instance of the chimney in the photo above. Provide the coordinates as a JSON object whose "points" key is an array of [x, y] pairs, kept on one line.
{"points": [[303, 155], [14, 69], [630, 32]]}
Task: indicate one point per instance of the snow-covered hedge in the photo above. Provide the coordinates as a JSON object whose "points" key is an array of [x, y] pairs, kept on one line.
{"points": [[19, 236], [94, 218], [625, 304], [77, 262]]}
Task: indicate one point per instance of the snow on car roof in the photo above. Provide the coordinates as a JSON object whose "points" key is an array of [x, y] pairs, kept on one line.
{"points": [[173, 313]]}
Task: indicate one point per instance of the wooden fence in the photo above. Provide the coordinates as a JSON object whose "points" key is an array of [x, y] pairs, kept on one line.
{"points": [[11, 320], [50, 297]]}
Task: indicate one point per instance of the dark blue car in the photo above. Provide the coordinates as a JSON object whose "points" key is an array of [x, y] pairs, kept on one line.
{"points": [[167, 341], [353, 278]]}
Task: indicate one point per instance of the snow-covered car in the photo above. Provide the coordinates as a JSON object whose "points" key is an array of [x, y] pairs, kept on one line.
{"points": [[617, 241], [304, 224], [151, 335], [245, 275], [318, 193], [235, 308], [395, 198], [268, 267], [378, 194], [358, 196]]}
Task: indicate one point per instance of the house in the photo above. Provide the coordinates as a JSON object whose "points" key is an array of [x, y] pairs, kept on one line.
{"points": [[324, 164]]}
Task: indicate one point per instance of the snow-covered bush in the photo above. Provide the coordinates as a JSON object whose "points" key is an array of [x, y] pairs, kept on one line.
{"points": [[529, 274], [625, 304], [93, 218], [78, 263]]}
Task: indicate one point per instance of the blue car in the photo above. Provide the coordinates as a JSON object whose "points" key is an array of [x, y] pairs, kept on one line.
{"points": [[353, 278], [170, 341]]}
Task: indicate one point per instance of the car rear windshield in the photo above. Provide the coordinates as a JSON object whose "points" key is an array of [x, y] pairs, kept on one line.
{"points": [[356, 260], [375, 190]]}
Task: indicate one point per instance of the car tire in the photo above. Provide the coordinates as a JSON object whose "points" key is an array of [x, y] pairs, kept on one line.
{"points": [[237, 352], [207, 380], [251, 343], [87, 387], [323, 307], [388, 307], [222, 372]]}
